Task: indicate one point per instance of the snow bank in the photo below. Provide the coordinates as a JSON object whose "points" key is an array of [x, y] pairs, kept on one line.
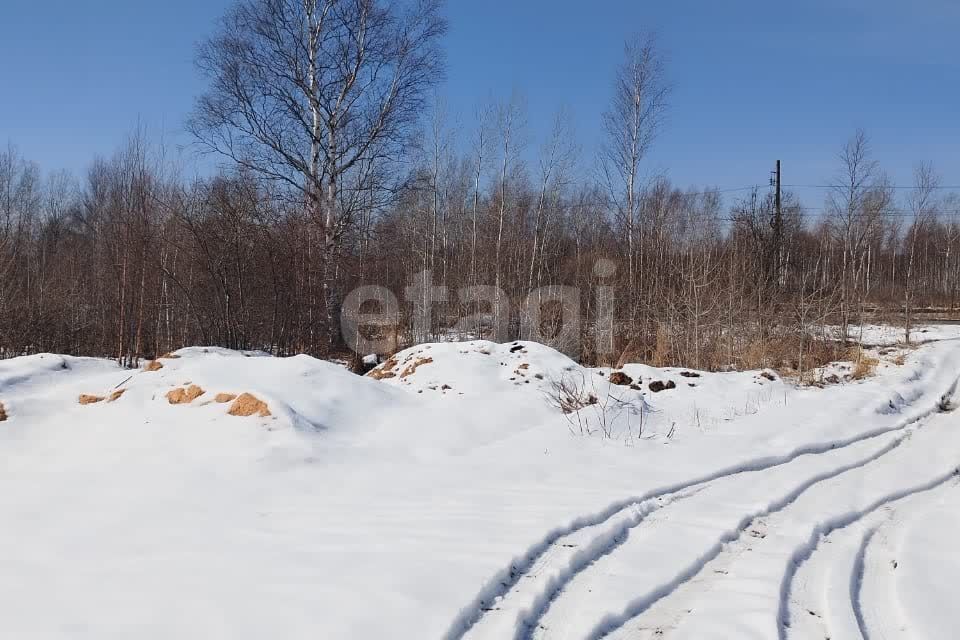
{"points": [[365, 508]]}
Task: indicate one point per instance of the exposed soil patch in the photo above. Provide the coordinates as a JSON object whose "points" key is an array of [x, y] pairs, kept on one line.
{"points": [[412, 368], [116, 395], [184, 395], [169, 356], [659, 385], [87, 398], [223, 398], [3, 412], [385, 370], [154, 365], [621, 379], [247, 405]]}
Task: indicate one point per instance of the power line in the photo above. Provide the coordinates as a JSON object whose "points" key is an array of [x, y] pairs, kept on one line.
{"points": [[841, 186], [820, 213], [763, 187], [897, 213]]}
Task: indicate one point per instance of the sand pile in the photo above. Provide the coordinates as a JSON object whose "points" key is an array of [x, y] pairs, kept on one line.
{"points": [[184, 395], [247, 405]]}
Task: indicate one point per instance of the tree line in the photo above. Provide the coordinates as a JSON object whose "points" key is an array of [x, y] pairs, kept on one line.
{"points": [[341, 169]]}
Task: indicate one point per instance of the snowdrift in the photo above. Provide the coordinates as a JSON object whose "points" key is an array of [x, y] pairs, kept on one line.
{"points": [[638, 399], [444, 496]]}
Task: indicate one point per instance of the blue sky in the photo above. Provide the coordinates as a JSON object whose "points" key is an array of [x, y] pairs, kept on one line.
{"points": [[753, 81]]}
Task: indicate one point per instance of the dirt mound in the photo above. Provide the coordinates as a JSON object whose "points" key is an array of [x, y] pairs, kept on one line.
{"points": [[621, 379], [3, 412], [223, 398], [154, 365], [247, 405], [116, 395], [184, 395], [87, 398]]}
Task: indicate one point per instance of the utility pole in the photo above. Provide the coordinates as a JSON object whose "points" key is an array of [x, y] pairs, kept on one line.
{"points": [[777, 226], [778, 197]]}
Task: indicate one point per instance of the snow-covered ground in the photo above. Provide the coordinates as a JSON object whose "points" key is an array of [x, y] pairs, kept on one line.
{"points": [[448, 496], [888, 335]]}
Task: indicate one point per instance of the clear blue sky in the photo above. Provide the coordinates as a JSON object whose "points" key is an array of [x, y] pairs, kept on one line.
{"points": [[753, 81]]}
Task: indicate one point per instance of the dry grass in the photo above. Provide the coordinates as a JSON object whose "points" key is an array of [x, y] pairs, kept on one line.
{"points": [[661, 352], [782, 354], [223, 398], [754, 356], [247, 405], [900, 360], [154, 365], [184, 395], [169, 356], [864, 365], [87, 398], [116, 395], [3, 412], [630, 353], [783, 350]]}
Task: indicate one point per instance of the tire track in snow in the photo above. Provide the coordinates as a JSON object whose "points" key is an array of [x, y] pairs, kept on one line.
{"points": [[824, 529], [886, 618], [613, 622], [505, 580], [556, 567], [601, 546], [610, 624], [856, 582], [873, 558]]}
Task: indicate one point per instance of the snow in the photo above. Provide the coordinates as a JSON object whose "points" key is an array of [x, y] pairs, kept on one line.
{"points": [[881, 335], [453, 499]]}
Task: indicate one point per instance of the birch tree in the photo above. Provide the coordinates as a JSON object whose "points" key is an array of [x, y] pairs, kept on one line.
{"points": [[317, 95], [855, 204], [631, 124], [922, 204]]}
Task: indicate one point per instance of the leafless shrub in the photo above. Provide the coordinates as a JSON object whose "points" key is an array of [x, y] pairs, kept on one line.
{"points": [[590, 411]]}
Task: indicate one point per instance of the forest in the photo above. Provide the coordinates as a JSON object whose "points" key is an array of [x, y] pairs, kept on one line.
{"points": [[337, 166]]}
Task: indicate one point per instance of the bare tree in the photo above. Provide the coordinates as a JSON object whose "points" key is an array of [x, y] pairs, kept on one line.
{"points": [[510, 129], [556, 161], [631, 124], [922, 204], [856, 203], [316, 95]]}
